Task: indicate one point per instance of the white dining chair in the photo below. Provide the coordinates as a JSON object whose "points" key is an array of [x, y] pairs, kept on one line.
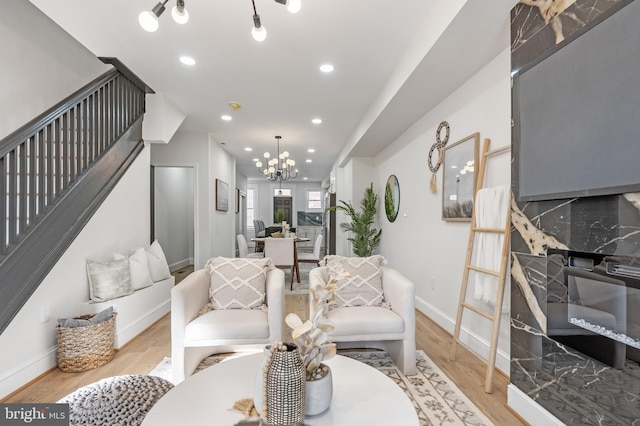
{"points": [[243, 249], [281, 252], [312, 257]]}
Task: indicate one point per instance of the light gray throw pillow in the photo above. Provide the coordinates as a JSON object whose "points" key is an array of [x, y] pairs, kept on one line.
{"points": [[364, 286], [96, 319], [108, 280], [237, 283]]}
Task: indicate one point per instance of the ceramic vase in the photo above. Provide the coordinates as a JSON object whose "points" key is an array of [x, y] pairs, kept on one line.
{"points": [[318, 394]]}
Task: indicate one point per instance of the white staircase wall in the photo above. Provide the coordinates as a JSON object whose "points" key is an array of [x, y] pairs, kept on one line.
{"points": [[161, 119]]}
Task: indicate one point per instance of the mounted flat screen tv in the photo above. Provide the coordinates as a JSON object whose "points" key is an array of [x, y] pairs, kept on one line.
{"points": [[577, 115]]}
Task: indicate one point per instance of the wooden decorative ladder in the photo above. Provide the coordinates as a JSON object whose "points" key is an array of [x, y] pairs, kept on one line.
{"points": [[501, 273]]}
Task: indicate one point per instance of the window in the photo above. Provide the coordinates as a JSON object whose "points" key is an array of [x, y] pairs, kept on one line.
{"points": [[250, 209], [282, 192], [314, 200]]}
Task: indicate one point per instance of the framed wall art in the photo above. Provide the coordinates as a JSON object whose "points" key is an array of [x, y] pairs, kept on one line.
{"points": [[459, 178], [222, 195]]}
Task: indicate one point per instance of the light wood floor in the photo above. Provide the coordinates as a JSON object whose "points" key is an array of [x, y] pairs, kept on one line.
{"points": [[145, 351]]}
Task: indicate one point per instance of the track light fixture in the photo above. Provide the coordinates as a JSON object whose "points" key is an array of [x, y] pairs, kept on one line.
{"points": [[149, 18], [258, 32]]}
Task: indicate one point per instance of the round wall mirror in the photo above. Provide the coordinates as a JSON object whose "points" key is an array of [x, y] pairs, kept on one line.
{"points": [[392, 198]]}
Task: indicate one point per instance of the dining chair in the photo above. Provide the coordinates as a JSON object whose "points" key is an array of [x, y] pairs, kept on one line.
{"points": [[243, 248], [312, 257], [281, 252], [258, 227]]}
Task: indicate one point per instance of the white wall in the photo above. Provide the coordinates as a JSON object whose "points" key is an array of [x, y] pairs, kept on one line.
{"points": [[29, 345], [419, 243], [214, 230], [39, 68], [174, 213], [223, 226], [188, 149]]}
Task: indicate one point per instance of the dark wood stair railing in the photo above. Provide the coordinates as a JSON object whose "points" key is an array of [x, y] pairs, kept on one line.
{"points": [[55, 172]]}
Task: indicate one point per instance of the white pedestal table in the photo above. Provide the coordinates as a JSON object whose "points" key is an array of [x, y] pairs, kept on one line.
{"points": [[361, 396]]}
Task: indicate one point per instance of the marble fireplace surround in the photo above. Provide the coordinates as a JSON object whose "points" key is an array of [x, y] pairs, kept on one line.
{"points": [[572, 386]]}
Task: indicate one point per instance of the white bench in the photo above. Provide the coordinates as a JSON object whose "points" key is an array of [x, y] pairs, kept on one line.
{"points": [[137, 311]]}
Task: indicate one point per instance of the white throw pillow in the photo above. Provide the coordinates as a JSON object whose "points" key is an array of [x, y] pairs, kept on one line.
{"points": [[157, 262], [108, 280], [237, 283], [364, 286], [138, 268]]}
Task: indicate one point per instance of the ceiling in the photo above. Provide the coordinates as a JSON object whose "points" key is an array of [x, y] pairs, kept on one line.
{"points": [[394, 61]]}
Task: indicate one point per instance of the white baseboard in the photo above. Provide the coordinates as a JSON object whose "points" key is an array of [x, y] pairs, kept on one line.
{"points": [[181, 264], [143, 322], [471, 340], [153, 302], [27, 371], [530, 410]]}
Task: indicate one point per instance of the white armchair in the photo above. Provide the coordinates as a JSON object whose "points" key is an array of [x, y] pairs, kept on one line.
{"points": [[195, 337], [393, 330]]}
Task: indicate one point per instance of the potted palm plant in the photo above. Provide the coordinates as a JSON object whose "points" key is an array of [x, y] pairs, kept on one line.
{"points": [[279, 216], [364, 237]]}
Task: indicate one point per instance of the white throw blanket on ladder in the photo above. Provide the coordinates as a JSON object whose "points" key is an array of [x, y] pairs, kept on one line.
{"points": [[491, 206]]}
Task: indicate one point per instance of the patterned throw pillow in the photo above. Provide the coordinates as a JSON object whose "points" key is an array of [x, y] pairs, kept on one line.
{"points": [[108, 280], [364, 287], [237, 283]]}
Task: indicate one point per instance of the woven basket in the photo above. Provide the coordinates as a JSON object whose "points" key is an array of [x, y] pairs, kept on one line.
{"points": [[84, 348]]}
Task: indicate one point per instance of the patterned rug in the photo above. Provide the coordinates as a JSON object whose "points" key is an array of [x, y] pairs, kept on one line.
{"points": [[303, 286], [437, 400]]}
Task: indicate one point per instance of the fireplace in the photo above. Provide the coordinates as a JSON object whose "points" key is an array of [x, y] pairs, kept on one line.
{"points": [[593, 304]]}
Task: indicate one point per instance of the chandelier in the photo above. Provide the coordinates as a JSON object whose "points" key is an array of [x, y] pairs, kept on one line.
{"points": [[278, 168], [149, 18]]}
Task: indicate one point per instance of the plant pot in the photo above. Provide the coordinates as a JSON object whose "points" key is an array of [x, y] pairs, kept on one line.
{"points": [[318, 394]]}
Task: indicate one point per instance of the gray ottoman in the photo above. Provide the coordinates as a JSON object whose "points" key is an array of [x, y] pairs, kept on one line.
{"points": [[118, 400]]}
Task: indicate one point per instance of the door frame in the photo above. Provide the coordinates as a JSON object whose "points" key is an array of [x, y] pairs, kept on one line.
{"points": [[196, 233]]}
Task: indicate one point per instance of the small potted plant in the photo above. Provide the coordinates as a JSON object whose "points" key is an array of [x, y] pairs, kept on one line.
{"points": [[311, 338]]}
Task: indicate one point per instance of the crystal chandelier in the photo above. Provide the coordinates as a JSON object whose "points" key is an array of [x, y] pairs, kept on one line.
{"points": [[278, 168]]}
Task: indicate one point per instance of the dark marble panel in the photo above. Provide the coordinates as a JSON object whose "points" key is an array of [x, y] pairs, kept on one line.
{"points": [[576, 388], [539, 26]]}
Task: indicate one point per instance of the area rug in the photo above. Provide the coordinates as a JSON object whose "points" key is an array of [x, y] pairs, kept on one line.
{"points": [[301, 287], [437, 400]]}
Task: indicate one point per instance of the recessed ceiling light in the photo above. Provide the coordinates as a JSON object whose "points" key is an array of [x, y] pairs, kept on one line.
{"points": [[226, 117], [187, 60], [305, 178], [311, 150], [326, 68], [316, 121], [255, 159], [308, 160], [248, 149]]}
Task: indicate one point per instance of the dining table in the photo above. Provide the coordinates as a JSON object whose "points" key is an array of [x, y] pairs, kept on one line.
{"points": [[297, 240]]}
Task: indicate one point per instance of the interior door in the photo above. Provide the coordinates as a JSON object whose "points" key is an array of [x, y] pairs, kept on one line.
{"points": [[173, 213], [286, 204]]}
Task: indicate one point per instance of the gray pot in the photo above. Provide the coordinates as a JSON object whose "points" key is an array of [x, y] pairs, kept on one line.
{"points": [[318, 395]]}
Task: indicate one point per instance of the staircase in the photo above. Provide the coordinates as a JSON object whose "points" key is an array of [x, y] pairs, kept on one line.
{"points": [[56, 171]]}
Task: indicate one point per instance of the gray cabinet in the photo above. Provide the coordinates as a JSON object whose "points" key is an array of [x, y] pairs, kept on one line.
{"points": [[310, 232]]}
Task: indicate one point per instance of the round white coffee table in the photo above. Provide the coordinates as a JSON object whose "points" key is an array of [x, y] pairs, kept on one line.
{"points": [[361, 395]]}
